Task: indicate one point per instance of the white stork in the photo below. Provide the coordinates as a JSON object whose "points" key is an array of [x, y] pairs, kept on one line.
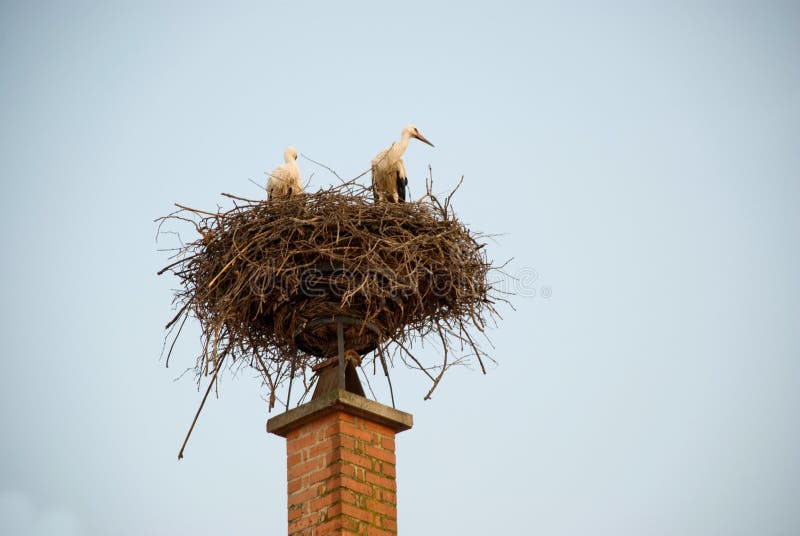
{"points": [[285, 181], [389, 178]]}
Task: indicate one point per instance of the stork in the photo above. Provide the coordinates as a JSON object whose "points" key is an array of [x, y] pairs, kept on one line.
{"points": [[389, 178], [284, 181]]}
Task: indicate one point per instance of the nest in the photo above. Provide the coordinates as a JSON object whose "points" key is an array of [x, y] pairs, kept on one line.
{"points": [[266, 279]]}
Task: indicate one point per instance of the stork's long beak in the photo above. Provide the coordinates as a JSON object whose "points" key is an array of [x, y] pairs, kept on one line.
{"points": [[423, 139]]}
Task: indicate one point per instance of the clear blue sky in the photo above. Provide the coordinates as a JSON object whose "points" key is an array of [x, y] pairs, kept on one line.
{"points": [[642, 158]]}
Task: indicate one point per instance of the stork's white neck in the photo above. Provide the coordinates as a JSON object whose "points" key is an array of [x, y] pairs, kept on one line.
{"points": [[400, 148]]}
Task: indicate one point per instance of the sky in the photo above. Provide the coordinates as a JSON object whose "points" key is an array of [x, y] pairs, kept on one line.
{"points": [[639, 162]]}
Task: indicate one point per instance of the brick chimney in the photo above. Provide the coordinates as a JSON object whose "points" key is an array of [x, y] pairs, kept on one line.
{"points": [[340, 459]]}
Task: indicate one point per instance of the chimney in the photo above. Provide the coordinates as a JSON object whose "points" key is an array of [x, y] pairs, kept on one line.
{"points": [[340, 460]]}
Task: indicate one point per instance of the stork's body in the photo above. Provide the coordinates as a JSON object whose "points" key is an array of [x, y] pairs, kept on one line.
{"points": [[389, 177], [285, 181]]}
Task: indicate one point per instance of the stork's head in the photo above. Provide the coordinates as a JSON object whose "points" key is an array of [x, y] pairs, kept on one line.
{"points": [[290, 154], [413, 132]]}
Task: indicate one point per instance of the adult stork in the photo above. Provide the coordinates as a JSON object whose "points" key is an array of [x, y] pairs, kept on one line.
{"points": [[285, 181], [389, 178]]}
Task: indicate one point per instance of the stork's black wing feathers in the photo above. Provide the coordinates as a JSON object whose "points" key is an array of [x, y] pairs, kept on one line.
{"points": [[401, 187]]}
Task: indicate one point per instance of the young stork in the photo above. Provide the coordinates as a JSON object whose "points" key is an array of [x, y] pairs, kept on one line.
{"points": [[284, 181], [389, 178]]}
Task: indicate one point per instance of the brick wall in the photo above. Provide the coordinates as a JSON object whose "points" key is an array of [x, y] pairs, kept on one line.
{"points": [[341, 477]]}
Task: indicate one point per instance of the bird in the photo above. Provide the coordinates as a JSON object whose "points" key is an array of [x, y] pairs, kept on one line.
{"points": [[285, 181], [389, 178]]}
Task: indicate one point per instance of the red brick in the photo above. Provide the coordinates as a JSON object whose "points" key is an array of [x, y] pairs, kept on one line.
{"points": [[302, 496], [323, 474], [375, 531], [381, 454], [349, 523], [331, 430], [388, 443], [346, 417], [348, 496], [386, 496], [333, 526], [360, 472], [302, 469], [334, 510], [339, 525], [294, 459], [299, 444], [386, 483], [295, 513], [358, 433], [293, 485], [379, 428], [300, 524], [324, 421], [325, 501], [347, 469], [294, 434], [358, 487], [388, 469], [321, 447], [386, 510], [354, 458], [346, 442], [358, 513]]}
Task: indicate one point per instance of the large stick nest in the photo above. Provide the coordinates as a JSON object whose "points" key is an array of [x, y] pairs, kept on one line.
{"points": [[265, 278]]}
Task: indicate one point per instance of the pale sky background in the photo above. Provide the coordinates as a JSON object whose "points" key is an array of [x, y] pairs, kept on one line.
{"points": [[642, 159]]}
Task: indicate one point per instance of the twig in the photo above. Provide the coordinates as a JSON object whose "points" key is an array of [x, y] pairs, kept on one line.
{"points": [[323, 165], [178, 334], [231, 196], [195, 210], [200, 408]]}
